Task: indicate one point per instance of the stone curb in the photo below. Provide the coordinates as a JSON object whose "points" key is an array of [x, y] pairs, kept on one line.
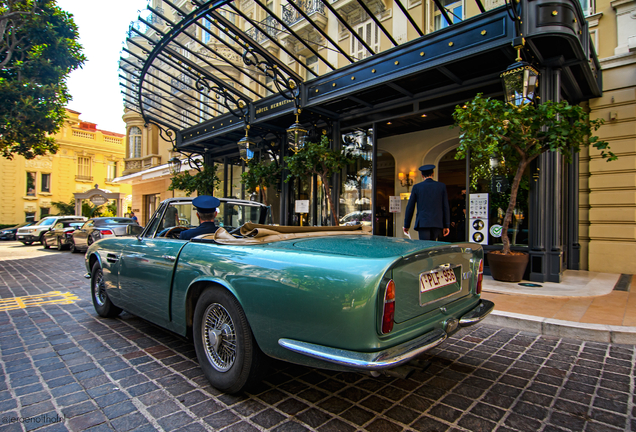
{"points": [[563, 329]]}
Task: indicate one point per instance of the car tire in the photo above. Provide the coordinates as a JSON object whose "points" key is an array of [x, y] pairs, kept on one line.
{"points": [[45, 244], [72, 247], [103, 306], [225, 346], [27, 243], [42, 241], [59, 245]]}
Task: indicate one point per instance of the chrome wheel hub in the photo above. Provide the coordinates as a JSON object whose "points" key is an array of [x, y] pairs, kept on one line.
{"points": [[100, 290], [219, 337]]}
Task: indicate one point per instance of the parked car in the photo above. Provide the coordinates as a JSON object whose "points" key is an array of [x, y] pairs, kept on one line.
{"points": [[331, 297], [97, 228], [35, 233], [10, 233], [61, 234]]}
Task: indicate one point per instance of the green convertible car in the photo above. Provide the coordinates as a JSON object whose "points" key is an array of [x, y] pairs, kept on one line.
{"points": [[329, 297]]}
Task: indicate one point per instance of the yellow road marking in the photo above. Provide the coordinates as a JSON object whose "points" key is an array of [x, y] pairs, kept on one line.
{"points": [[53, 297]]}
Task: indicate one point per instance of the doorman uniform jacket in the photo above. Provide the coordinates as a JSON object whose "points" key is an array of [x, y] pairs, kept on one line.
{"points": [[431, 200], [204, 228]]}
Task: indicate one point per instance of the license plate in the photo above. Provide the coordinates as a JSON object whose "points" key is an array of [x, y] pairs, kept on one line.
{"points": [[437, 278]]}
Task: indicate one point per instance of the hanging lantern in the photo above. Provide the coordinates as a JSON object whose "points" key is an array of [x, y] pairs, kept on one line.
{"points": [[296, 135], [246, 146], [175, 165], [519, 79]]}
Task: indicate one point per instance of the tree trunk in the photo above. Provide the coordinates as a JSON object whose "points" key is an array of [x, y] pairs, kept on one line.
{"points": [[514, 189]]}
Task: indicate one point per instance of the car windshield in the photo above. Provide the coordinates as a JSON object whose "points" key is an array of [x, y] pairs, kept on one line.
{"points": [[231, 214], [46, 222]]}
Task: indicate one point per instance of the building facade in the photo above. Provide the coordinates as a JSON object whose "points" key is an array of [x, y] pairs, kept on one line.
{"points": [[382, 79], [86, 156]]}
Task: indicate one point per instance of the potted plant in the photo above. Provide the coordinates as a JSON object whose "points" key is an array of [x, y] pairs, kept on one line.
{"points": [[261, 175], [515, 136]]}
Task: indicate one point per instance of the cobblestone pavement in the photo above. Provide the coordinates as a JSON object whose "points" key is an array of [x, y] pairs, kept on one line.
{"points": [[64, 368]]}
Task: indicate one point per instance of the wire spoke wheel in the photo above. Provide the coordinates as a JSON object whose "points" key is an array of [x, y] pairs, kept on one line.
{"points": [[220, 337], [100, 289]]}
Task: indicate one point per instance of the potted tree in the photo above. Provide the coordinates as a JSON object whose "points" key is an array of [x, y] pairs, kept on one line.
{"points": [[515, 136]]}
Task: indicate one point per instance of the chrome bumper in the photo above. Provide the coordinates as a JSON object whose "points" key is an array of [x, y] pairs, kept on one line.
{"points": [[390, 357], [477, 314]]}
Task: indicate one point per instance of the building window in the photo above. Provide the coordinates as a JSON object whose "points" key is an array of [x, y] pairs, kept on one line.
{"points": [[184, 119], [205, 107], [30, 184], [29, 216], [455, 12], [84, 168], [46, 183], [112, 171], [44, 212], [207, 33], [369, 33], [587, 6], [134, 142]]}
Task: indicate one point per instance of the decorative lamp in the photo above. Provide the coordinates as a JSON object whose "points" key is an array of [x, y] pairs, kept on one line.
{"points": [[406, 180], [175, 165], [520, 79], [296, 135], [246, 146]]}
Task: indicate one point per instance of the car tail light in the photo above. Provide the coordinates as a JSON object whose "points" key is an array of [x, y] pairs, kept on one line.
{"points": [[106, 232], [389, 307], [480, 276]]}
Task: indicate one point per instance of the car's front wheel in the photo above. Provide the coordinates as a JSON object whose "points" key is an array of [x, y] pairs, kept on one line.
{"points": [[225, 346], [72, 247], [103, 306], [59, 245], [45, 243]]}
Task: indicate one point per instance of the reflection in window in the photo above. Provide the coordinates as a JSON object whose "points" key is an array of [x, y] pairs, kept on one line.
{"points": [[356, 192], [46, 183], [30, 184], [454, 9], [44, 212], [112, 171], [134, 142], [29, 216]]}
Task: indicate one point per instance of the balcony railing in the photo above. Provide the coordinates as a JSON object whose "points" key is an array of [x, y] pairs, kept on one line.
{"points": [[291, 16], [269, 26]]}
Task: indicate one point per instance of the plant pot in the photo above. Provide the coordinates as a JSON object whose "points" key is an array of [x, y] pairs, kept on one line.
{"points": [[507, 268]]}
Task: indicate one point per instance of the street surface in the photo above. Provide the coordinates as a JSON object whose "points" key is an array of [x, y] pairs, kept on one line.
{"points": [[64, 368]]}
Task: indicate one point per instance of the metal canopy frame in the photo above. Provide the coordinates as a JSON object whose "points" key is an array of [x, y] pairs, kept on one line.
{"points": [[203, 77]]}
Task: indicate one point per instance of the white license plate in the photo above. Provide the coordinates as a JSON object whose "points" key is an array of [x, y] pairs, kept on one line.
{"points": [[436, 279]]}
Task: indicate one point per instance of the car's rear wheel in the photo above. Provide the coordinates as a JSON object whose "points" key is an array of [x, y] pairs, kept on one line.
{"points": [[225, 346], [103, 306]]}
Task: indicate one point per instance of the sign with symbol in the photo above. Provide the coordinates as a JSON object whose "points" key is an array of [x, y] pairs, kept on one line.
{"points": [[301, 206], [496, 230], [499, 184], [395, 205], [478, 214]]}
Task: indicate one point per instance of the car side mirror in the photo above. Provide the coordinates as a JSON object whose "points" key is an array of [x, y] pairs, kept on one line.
{"points": [[134, 230]]}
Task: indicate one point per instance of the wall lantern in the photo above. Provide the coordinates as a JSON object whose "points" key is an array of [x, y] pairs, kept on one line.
{"points": [[296, 135], [246, 146], [406, 180], [520, 79], [175, 165]]}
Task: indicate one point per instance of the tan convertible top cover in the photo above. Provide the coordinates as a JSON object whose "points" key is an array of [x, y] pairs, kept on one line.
{"points": [[259, 234]]}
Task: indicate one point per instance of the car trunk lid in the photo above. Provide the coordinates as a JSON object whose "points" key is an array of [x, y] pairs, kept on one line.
{"points": [[428, 280]]}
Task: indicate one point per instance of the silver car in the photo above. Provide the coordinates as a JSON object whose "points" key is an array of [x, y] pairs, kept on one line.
{"points": [[101, 227]]}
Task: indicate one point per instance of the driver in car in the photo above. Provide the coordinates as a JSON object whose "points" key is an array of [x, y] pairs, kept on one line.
{"points": [[206, 212]]}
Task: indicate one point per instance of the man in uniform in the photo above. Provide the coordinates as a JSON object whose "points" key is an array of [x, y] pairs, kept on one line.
{"points": [[433, 212], [206, 212]]}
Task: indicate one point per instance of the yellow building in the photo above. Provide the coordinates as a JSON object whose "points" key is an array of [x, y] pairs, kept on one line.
{"points": [[86, 156]]}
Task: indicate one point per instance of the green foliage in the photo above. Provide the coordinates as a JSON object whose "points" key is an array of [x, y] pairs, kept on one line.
{"points": [[321, 160], [261, 175], [65, 209], [203, 182], [91, 210], [517, 135], [38, 50]]}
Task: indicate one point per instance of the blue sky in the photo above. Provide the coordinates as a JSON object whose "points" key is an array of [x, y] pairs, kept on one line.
{"points": [[95, 87]]}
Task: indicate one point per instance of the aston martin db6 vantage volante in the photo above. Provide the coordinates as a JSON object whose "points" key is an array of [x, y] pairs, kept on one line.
{"points": [[329, 297]]}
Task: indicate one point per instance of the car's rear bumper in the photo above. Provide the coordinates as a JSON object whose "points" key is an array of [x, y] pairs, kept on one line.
{"points": [[390, 357]]}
